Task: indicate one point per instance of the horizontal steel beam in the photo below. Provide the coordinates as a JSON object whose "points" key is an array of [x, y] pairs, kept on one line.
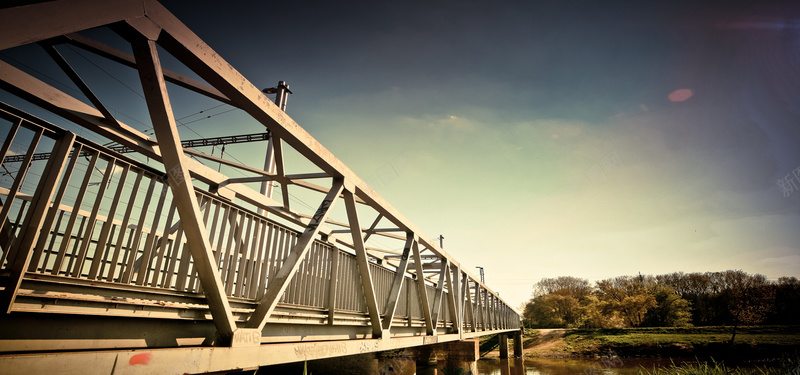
{"points": [[208, 359]]}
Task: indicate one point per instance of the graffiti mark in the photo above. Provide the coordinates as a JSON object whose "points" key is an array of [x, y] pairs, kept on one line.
{"points": [[788, 184], [317, 218]]}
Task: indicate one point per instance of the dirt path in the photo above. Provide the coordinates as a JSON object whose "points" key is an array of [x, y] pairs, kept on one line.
{"points": [[547, 344], [548, 338]]}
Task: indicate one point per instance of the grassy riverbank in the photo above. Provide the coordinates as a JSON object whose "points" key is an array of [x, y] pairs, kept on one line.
{"points": [[758, 342], [785, 366]]}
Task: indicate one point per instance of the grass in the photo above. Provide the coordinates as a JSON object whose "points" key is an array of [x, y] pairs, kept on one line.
{"points": [[787, 366], [773, 335], [673, 342]]}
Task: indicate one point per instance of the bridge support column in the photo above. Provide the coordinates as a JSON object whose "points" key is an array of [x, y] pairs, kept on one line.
{"points": [[503, 345], [397, 362], [459, 356], [518, 344]]}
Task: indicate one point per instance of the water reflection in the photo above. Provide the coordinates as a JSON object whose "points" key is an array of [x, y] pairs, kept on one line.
{"points": [[567, 366]]}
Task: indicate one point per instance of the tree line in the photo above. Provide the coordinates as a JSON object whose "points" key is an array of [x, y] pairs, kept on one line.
{"points": [[677, 299]]}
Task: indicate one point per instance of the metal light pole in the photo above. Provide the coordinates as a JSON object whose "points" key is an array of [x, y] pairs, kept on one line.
{"points": [[481, 269], [282, 95]]}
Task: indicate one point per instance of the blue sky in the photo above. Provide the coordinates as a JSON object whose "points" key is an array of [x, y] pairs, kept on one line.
{"points": [[547, 138], [539, 137]]}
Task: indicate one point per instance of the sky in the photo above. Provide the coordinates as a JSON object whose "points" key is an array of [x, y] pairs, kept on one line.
{"points": [[544, 138]]}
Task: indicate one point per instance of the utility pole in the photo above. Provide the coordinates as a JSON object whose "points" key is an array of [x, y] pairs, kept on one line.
{"points": [[282, 95]]}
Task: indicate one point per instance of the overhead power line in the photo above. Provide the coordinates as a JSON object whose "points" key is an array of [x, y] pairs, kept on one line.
{"points": [[190, 143]]}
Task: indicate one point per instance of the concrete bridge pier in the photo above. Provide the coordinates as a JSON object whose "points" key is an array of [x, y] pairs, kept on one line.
{"points": [[422, 360], [503, 345], [460, 355], [517, 336], [396, 362]]}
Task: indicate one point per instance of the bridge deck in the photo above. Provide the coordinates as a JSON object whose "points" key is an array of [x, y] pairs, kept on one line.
{"points": [[154, 252]]}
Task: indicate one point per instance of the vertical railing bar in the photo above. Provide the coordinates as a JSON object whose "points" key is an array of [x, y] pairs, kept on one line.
{"points": [[252, 249], [205, 207], [292, 292], [32, 225], [184, 263], [221, 240], [177, 247], [305, 288], [233, 220], [358, 299], [263, 253], [243, 253], [269, 258], [408, 303], [73, 255], [13, 237], [107, 255], [351, 298], [463, 303], [12, 133], [252, 290], [169, 254], [253, 282], [126, 255], [51, 213], [162, 244], [123, 228], [479, 305], [171, 251], [234, 248], [493, 311], [342, 296], [213, 232], [277, 259], [23, 170], [266, 261], [103, 245], [137, 235], [87, 236], [324, 276], [288, 293], [317, 284], [319, 268], [332, 288], [301, 278], [149, 244], [344, 265], [74, 215], [284, 253]]}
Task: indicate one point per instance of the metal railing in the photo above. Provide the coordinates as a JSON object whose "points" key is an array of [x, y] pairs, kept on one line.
{"points": [[112, 219]]}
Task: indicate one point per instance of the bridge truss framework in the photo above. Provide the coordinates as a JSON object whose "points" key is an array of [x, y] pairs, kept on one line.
{"points": [[178, 267]]}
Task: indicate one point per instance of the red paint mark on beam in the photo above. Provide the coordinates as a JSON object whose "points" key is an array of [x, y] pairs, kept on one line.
{"points": [[140, 359]]}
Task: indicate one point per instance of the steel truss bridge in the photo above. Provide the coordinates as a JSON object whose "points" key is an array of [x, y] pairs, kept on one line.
{"points": [[154, 262]]}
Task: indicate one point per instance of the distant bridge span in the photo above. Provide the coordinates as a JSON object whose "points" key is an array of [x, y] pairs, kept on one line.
{"points": [[155, 262]]}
